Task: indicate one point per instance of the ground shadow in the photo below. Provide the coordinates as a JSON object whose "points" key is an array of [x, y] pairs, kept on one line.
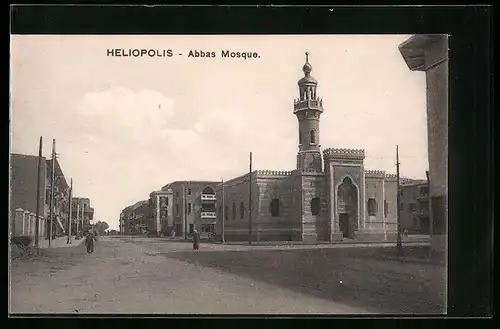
{"points": [[370, 278]]}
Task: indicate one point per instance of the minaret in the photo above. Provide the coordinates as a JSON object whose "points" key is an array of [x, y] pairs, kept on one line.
{"points": [[308, 108]]}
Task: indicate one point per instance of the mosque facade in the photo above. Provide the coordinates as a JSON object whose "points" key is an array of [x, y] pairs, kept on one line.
{"points": [[329, 196]]}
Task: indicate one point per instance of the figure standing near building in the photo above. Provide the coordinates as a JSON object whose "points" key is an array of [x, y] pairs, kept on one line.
{"points": [[89, 241], [196, 240]]}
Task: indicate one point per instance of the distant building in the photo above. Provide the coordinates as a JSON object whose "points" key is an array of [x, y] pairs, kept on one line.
{"points": [[161, 220], [415, 208], [82, 213], [193, 206], [23, 188], [126, 221]]}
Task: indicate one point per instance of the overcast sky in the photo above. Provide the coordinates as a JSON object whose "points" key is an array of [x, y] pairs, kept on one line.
{"points": [[126, 126]]}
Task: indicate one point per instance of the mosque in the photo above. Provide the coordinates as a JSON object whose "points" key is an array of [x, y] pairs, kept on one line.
{"points": [[328, 197]]}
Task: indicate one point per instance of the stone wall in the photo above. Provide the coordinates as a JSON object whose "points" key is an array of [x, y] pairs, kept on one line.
{"points": [[314, 227]]}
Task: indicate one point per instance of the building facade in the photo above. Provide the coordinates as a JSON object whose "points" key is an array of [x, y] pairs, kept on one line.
{"points": [[161, 221], [193, 206], [415, 208], [23, 196], [429, 53], [81, 214], [329, 196]]}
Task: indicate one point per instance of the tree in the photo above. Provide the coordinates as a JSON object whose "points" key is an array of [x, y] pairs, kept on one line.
{"points": [[101, 227]]}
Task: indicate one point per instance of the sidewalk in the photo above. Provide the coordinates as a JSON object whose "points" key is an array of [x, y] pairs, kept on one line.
{"points": [[59, 242]]}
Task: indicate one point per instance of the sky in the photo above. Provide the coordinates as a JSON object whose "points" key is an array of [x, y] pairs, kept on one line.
{"points": [[125, 126]]}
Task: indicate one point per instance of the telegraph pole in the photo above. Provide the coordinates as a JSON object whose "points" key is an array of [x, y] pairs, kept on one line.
{"points": [[223, 239], [37, 224], [399, 245], [184, 210], [52, 183], [250, 202], [70, 210], [77, 220]]}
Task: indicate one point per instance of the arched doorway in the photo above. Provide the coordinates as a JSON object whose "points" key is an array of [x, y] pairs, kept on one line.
{"points": [[347, 207]]}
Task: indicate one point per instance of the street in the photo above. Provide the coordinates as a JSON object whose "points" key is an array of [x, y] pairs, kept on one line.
{"points": [[158, 276]]}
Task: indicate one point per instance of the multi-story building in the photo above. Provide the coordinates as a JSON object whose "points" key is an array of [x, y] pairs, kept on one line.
{"points": [[126, 219], [429, 53], [193, 206], [161, 220], [23, 196], [82, 214], [414, 212]]}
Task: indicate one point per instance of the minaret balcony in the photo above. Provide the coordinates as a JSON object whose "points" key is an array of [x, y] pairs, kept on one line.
{"points": [[308, 104]]}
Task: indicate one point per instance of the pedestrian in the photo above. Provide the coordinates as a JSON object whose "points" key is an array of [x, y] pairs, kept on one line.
{"points": [[196, 240], [405, 232], [89, 242]]}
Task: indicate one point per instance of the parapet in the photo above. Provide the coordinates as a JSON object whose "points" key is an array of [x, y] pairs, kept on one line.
{"points": [[274, 173], [375, 174], [335, 153]]}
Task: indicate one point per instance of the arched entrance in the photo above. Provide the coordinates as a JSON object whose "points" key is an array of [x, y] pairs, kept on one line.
{"points": [[347, 207]]}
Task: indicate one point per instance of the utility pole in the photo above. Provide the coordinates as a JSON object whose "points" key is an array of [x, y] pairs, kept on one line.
{"points": [[52, 183], [184, 206], [37, 224], [77, 220], [223, 238], [70, 210], [250, 202], [399, 245]]}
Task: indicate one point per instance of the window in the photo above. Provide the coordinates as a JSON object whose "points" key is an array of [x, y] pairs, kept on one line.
{"points": [[226, 211], [300, 137], [234, 210], [315, 206], [177, 194], [424, 190], [386, 208], [189, 208], [191, 228], [372, 207], [177, 208], [220, 210], [166, 201], [313, 137], [275, 208], [189, 191], [242, 210]]}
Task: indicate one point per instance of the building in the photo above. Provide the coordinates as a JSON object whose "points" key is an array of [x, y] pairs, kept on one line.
{"points": [[126, 218], [193, 206], [415, 207], [429, 53], [81, 214], [161, 220], [23, 196], [329, 196]]}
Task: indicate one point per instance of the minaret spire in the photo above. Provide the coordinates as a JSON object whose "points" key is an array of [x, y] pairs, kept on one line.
{"points": [[307, 57]]}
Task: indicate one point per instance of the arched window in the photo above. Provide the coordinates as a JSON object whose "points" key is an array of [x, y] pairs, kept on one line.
{"points": [[313, 137], [226, 212], [386, 208], [242, 210], [234, 210], [315, 206], [275, 208], [300, 137], [372, 207]]}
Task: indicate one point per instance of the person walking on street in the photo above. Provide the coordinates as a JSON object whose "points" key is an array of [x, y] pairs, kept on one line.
{"points": [[89, 242], [196, 240]]}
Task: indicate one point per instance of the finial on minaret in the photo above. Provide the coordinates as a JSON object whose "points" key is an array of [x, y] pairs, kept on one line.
{"points": [[307, 68]]}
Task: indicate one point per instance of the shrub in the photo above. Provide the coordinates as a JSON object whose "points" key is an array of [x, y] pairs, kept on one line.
{"points": [[21, 241]]}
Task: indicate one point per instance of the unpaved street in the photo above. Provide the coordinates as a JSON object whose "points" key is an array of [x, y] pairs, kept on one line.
{"points": [[140, 275]]}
